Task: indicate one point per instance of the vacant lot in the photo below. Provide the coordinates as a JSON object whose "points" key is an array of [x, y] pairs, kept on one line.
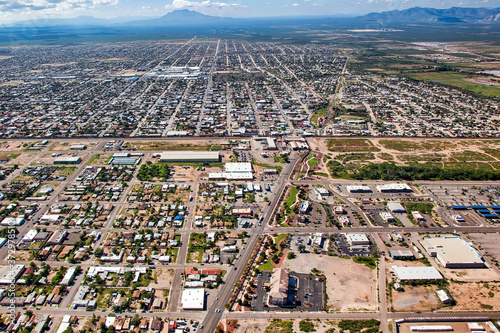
{"points": [[419, 298], [350, 145], [350, 286], [168, 145], [163, 278], [476, 296]]}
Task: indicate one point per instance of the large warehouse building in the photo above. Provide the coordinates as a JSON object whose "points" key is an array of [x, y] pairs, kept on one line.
{"points": [[234, 171], [453, 252], [416, 273], [189, 156]]}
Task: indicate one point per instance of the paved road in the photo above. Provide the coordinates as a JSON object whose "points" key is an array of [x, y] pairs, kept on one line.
{"points": [[213, 318]]}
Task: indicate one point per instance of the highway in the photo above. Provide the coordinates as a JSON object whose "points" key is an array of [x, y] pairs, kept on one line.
{"points": [[213, 318]]}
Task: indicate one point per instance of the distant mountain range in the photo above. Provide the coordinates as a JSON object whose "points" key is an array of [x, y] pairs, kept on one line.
{"points": [[179, 18], [454, 14]]}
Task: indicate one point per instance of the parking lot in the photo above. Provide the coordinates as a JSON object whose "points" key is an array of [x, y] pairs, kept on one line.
{"points": [[307, 294]]}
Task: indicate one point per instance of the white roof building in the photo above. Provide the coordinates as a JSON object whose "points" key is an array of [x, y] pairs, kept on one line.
{"points": [[193, 299], [68, 276], [10, 275], [357, 239], [189, 156], [416, 273], [12, 221], [394, 188], [453, 252], [396, 207], [30, 236], [358, 189]]}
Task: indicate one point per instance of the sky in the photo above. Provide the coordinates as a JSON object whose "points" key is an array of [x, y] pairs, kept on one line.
{"points": [[17, 10]]}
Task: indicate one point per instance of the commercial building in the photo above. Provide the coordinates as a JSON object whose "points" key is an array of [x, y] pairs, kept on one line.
{"points": [[30, 236], [271, 144], [189, 156], [193, 299], [416, 273], [78, 147], [234, 171], [12, 221], [304, 207], [402, 254], [358, 189], [68, 160], [322, 192], [394, 188], [278, 293], [396, 207], [387, 217], [68, 276], [357, 239], [417, 216], [453, 252], [10, 275]]}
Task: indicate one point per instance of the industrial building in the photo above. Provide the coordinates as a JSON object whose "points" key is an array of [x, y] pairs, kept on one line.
{"points": [[189, 156], [453, 252], [193, 299], [396, 207], [234, 171], [78, 147], [394, 188], [125, 161], [68, 160], [402, 254], [416, 273]]}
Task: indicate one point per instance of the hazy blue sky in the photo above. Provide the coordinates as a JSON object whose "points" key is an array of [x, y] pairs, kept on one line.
{"points": [[14, 10]]}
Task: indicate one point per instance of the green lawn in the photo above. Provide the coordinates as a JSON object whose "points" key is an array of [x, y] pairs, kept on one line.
{"points": [[293, 197], [313, 161], [267, 266], [457, 80]]}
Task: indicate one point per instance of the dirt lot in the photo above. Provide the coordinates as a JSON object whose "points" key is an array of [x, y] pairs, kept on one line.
{"points": [[419, 298], [475, 296], [64, 146], [260, 325], [22, 159], [350, 286], [164, 278]]}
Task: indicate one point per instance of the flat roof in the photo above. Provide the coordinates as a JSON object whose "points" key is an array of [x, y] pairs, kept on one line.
{"points": [[189, 155], [416, 273], [68, 159], [193, 299], [238, 167], [452, 250], [395, 206]]}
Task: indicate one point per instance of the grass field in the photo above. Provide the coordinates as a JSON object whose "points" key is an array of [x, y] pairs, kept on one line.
{"points": [[411, 145], [292, 197], [317, 115], [457, 80], [313, 161]]}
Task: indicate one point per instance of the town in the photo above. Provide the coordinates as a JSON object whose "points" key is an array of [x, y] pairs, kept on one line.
{"points": [[234, 186]]}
